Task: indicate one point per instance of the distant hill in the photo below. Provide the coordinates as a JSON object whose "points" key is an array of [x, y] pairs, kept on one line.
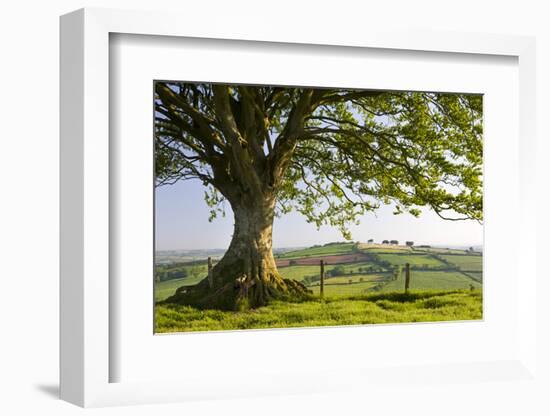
{"points": [[180, 256], [352, 268], [319, 250]]}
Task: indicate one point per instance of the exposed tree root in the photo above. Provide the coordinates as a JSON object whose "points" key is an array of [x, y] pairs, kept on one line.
{"points": [[241, 293]]}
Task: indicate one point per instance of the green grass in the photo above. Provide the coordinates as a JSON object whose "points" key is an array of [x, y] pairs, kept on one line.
{"points": [[420, 280], [333, 249], [354, 267], [194, 271], [413, 259], [299, 272], [168, 287], [470, 263], [356, 278], [389, 249], [428, 280], [440, 250], [476, 275], [344, 289], [355, 310]]}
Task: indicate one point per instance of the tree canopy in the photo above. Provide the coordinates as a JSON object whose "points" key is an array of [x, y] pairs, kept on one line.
{"points": [[329, 154]]}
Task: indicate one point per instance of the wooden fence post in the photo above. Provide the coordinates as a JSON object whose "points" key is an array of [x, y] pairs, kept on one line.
{"points": [[210, 275], [407, 277], [322, 284]]}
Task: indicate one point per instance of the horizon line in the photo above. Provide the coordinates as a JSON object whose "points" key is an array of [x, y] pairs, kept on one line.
{"points": [[440, 245]]}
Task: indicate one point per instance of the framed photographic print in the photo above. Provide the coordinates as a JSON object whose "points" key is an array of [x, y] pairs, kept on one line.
{"points": [[337, 157], [269, 214]]}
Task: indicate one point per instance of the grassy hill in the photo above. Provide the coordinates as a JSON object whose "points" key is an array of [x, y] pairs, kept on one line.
{"points": [[338, 287], [465, 262], [431, 269], [326, 250], [413, 259], [175, 275], [168, 288], [440, 250], [299, 272], [431, 280], [355, 310], [383, 248]]}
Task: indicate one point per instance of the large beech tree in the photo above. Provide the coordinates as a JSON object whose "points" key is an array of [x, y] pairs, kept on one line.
{"points": [[330, 154]]}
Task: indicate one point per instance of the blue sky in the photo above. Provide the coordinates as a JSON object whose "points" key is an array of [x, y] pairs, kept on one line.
{"points": [[181, 221]]}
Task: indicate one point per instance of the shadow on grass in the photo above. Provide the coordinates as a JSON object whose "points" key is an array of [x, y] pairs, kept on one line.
{"points": [[396, 297], [404, 297]]}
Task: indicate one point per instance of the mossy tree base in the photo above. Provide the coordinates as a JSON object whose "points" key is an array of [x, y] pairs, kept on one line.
{"points": [[241, 293]]}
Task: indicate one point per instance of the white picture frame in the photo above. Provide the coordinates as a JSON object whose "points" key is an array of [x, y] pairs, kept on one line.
{"points": [[86, 355]]}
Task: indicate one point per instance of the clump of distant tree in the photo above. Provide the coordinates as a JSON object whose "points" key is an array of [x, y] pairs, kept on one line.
{"points": [[310, 279], [192, 269], [337, 271], [335, 243], [166, 272]]}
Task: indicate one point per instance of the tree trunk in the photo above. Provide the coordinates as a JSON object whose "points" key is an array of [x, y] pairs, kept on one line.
{"points": [[247, 276]]}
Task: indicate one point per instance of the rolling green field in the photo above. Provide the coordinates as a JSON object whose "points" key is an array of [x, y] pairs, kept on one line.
{"points": [[354, 267], [344, 289], [426, 306], [356, 278], [428, 280], [168, 288], [388, 249], [299, 272], [327, 250], [438, 250], [412, 259], [469, 263], [476, 275], [366, 292], [377, 277], [186, 274]]}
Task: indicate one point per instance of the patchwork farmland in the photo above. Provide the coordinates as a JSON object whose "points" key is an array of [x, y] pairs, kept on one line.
{"points": [[353, 269]]}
